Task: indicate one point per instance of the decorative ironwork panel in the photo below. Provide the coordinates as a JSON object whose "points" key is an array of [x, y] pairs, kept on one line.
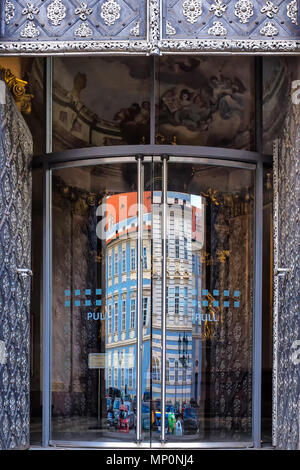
{"points": [[75, 20], [15, 253], [149, 26], [286, 371], [230, 25], [234, 19]]}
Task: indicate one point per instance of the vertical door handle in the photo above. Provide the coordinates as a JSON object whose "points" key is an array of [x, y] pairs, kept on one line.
{"points": [[282, 271], [24, 272]]}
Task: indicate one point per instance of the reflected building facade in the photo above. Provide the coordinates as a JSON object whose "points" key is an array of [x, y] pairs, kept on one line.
{"points": [[185, 322]]}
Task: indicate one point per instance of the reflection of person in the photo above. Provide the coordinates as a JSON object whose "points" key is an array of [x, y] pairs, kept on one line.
{"points": [[171, 422], [178, 427]]}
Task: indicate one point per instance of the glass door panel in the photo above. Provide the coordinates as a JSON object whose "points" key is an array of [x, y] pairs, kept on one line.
{"points": [[112, 285], [94, 314], [209, 295]]}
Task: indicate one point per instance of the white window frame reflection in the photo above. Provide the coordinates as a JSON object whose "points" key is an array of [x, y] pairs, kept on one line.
{"points": [[124, 261], [116, 318], [145, 310], [109, 319], [132, 312], [132, 259], [116, 263], [123, 317], [156, 369]]}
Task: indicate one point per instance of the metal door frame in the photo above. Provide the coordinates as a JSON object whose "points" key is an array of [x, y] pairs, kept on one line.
{"points": [[147, 153]]}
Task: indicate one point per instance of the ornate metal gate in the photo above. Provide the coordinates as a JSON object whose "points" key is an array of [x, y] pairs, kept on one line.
{"points": [[15, 255], [286, 372]]}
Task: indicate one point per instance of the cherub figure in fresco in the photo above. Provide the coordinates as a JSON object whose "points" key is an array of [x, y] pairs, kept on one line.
{"points": [[126, 115], [213, 91], [232, 101], [197, 115], [134, 122], [143, 116], [79, 84], [185, 102]]}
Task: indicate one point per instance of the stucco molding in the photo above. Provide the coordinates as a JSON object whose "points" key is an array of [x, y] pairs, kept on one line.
{"points": [[149, 48], [154, 42]]}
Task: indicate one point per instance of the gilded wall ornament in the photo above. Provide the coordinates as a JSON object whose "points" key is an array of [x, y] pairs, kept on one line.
{"points": [[110, 12], [83, 11], [292, 11], [269, 29], [218, 8], [170, 31], [244, 9], [192, 9], [56, 12], [18, 88], [217, 29], [270, 9], [9, 11]]}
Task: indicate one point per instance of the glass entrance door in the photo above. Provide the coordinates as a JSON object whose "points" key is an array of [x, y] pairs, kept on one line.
{"points": [[202, 303], [152, 302]]}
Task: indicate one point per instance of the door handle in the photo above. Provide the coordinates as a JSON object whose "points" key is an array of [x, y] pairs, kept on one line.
{"points": [[282, 271], [24, 272]]}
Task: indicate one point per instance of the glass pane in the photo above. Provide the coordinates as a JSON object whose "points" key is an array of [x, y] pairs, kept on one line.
{"points": [[210, 303], [94, 303], [93, 107], [206, 100]]}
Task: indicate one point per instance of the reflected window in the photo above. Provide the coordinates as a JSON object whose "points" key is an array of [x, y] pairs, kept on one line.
{"points": [[132, 259], [167, 371], [145, 310], [123, 327], [109, 319], [145, 262], [176, 247], [185, 249], [156, 369], [130, 377], [116, 318], [185, 300], [109, 377], [177, 300], [116, 264], [122, 377], [123, 261], [109, 266], [176, 371], [132, 313]]}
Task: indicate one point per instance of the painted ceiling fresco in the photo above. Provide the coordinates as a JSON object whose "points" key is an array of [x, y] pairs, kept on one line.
{"points": [[207, 101], [200, 101]]}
